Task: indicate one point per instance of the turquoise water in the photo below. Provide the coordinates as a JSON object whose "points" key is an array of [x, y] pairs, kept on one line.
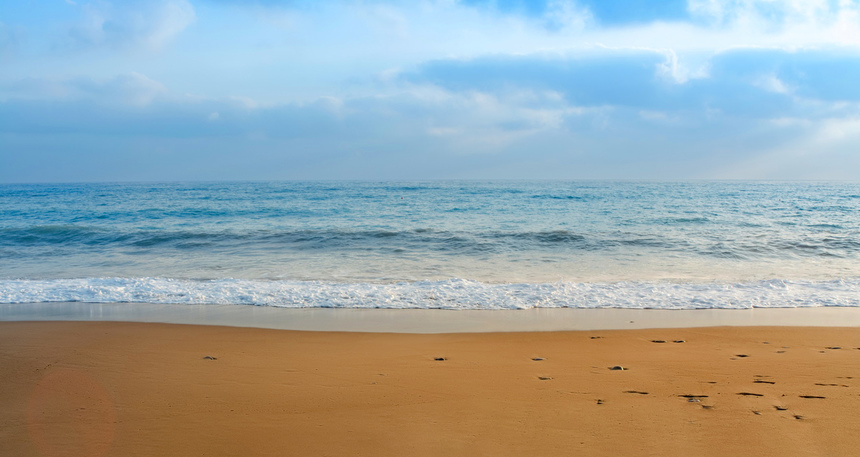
{"points": [[434, 244]]}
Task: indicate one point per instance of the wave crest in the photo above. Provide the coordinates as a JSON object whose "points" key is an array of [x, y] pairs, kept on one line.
{"points": [[458, 294]]}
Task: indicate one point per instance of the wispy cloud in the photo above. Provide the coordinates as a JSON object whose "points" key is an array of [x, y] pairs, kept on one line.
{"points": [[126, 89], [150, 24]]}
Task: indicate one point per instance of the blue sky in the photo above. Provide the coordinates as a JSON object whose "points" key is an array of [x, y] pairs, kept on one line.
{"points": [[163, 90]]}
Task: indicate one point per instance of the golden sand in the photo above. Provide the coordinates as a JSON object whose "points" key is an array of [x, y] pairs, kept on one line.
{"points": [[126, 389]]}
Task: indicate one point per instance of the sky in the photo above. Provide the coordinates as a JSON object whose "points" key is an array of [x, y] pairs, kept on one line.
{"points": [[181, 90]]}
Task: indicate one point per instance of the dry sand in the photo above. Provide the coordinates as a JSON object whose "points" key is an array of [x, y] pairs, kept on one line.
{"points": [[128, 389]]}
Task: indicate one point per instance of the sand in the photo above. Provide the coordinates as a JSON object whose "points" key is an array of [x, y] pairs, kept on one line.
{"points": [[127, 389], [430, 320]]}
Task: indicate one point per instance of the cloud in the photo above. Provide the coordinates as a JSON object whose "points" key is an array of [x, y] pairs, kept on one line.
{"points": [[461, 124], [757, 83], [122, 90], [421, 131], [783, 23], [828, 75], [617, 78], [150, 24], [777, 12]]}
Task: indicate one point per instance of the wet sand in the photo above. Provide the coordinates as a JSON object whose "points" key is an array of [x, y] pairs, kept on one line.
{"points": [[119, 389], [430, 320]]}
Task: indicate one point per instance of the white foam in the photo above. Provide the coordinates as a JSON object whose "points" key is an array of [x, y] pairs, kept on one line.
{"points": [[457, 294]]}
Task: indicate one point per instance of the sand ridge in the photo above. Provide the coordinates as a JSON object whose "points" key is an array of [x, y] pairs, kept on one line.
{"points": [[116, 389]]}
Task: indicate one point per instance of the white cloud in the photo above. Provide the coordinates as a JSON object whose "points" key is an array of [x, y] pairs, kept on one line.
{"points": [[835, 131], [674, 70], [150, 24], [758, 11], [772, 83], [567, 15], [796, 23]]}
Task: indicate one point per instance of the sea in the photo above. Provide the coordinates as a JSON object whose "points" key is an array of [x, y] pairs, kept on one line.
{"points": [[438, 244]]}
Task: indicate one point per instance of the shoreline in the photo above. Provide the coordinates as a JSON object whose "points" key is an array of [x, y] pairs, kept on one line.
{"points": [[429, 320]]}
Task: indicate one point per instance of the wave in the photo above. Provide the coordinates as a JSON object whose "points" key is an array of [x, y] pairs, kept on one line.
{"points": [[15, 242], [455, 294]]}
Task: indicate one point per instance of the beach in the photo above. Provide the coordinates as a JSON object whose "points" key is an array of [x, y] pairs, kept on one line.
{"points": [[121, 388], [438, 318]]}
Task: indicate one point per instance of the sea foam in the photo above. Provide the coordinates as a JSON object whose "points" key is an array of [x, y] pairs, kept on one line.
{"points": [[455, 294]]}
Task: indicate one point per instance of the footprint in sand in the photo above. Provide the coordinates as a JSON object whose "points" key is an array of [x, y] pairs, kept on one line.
{"points": [[691, 397]]}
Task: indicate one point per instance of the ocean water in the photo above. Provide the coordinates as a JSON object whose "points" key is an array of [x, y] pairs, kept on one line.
{"points": [[447, 244]]}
